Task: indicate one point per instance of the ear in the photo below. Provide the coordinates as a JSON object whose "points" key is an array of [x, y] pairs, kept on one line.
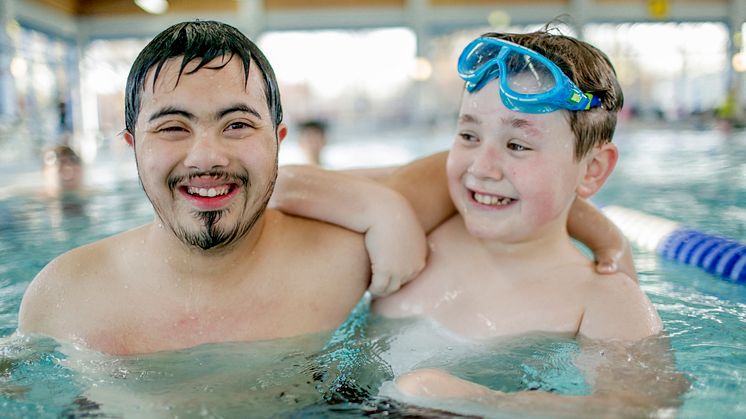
{"points": [[129, 138], [282, 132], [600, 162]]}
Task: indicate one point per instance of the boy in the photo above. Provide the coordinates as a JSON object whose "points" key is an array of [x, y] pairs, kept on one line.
{"points": [[534, 133]]}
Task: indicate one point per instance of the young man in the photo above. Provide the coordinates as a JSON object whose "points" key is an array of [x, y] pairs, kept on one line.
{"points": [[534, 135], [204, 118]]}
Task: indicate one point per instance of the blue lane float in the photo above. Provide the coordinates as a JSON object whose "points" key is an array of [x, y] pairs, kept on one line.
{"points": [[717, 255]]}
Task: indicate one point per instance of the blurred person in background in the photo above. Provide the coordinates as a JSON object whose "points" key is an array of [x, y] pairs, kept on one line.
{"points": [[312, 140], [62, 170]]}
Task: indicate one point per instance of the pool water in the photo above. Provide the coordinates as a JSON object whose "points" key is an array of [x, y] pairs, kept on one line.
{"points": [[697, 178]]}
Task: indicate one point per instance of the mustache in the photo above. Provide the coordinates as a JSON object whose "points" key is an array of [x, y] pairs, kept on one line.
{"points": [[228, 177]]}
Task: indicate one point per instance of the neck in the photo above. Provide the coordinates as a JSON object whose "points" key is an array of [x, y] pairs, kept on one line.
{"points": [[216, 264], [547, 244], [552, 239]]}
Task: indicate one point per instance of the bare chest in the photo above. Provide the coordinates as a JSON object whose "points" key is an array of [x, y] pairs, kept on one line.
{"points": [[480, 303], [495, 312], [151, 326]]}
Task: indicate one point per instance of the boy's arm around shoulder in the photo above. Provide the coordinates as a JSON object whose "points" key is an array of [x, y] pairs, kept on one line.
{"points": [[618, 309]]}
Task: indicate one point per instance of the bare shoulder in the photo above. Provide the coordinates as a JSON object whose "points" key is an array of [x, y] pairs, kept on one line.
{"points": [[63, 283], [335, 258], [617, 308]]}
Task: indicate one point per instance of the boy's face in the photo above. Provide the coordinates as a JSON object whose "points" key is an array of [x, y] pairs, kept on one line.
{"points": [[206, 150], [511, 175]]}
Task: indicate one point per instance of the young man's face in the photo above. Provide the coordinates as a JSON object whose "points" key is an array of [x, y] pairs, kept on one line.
{"points": [[511, 175], [206, 150]]}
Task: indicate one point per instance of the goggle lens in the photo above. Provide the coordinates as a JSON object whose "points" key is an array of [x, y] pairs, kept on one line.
{"points": [[482, 54], [527, 76]]}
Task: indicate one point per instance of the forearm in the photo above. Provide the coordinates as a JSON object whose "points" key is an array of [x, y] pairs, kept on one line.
{"points": [[439, 389], [594, 405], [352, 202], [425, 185]]}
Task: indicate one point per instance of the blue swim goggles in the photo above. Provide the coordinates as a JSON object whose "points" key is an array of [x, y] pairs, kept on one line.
{"points": [[529, 82]]}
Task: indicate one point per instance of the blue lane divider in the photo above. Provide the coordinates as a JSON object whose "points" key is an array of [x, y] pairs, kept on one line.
{"points": [[717, 255]]}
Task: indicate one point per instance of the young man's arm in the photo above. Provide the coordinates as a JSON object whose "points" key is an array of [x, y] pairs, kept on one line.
{"points": [[610, 247], [315, 193], [393, 235], [424, 183]]}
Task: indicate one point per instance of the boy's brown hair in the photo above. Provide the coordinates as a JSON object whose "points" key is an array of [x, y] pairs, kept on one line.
{"points": [[591, 70]]}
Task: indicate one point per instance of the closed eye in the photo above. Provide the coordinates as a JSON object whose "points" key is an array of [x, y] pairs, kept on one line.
{"points": [[171, 129], [468, 137]]}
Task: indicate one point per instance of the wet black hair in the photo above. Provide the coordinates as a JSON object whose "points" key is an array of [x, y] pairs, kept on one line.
{"points": [[203, 41]]}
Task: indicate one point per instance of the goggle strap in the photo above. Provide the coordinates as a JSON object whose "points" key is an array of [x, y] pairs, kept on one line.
{"points": [[594, 102]]}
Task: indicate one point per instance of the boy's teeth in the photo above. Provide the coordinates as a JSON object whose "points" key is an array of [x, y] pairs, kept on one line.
{"points": [[491, 199]]}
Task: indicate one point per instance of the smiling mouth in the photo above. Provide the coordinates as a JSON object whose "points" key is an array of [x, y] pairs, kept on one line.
{"points": [[209, 192], [492, 200], [210, 197]]}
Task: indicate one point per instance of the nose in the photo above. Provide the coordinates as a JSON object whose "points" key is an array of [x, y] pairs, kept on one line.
{"points": [[487, 163], [207, 152]]}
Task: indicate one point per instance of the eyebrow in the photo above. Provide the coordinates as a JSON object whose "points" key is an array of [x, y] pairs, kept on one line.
{"points": [[512, 121], [170, 110], [519, 123], [467, 118], [237, 108]]}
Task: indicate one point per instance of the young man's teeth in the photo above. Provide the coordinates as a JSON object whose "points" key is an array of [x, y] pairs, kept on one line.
{"points": [[210, 193], [490, 199]]}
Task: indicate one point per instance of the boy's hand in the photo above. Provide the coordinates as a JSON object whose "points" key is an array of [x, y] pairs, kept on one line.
{"points": [[397, 248]]}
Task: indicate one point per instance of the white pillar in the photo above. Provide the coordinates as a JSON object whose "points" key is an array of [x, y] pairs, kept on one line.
{"points": [[86, 109], [7, 51], [579, 11], [252, 18], [737, 17], [416, 13]]}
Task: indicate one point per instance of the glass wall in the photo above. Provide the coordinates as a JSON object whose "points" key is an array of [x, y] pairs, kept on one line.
{"points": [[669, 71], [39, 100], [367, 84]]}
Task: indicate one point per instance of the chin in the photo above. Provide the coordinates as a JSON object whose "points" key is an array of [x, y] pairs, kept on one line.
{"points": [[489, 230], [482, 230]]}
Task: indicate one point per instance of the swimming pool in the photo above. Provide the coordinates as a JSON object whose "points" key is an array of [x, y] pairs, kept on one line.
{"points": [[697, 178]]}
